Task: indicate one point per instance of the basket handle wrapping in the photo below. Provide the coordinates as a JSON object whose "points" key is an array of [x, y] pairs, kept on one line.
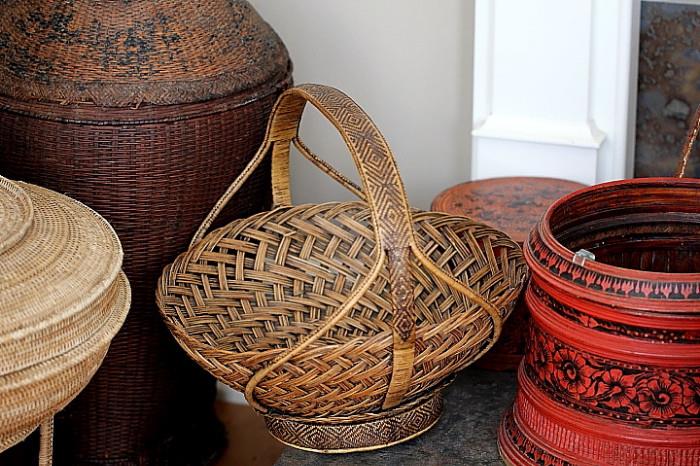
{"points": [[689, 143], [391, 218]]}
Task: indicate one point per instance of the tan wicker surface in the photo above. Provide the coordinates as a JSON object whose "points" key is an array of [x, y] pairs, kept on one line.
{"points": [[29, 396], [16, 213], [62, 297], [68, 254], [337, 310]]}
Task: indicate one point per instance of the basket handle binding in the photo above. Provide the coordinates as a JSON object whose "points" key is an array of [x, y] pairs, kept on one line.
{"points": [[689, 143], [391, 218]]}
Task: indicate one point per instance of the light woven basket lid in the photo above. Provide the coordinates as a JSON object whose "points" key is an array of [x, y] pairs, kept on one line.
{"points": [[126, 53], [59, 263], [62, 296], [30, 395]]}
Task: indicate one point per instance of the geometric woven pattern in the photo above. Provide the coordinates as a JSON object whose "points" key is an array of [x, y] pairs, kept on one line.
{"points": [[396, 426], [300, 308]]}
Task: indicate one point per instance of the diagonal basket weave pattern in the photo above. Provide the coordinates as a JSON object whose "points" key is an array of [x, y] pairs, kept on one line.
{"points": [[63, 297], [339, 312], [256, 287]]}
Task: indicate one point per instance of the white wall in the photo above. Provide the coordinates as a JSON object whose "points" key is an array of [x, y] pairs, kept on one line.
{"points": [[555, 88], [406, 62]]}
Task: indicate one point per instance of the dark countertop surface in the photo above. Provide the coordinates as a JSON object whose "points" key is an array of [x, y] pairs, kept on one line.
{"points": [[465, 434]]}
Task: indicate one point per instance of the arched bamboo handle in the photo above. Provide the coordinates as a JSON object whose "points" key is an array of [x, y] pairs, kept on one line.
{"points": [[391, 218], [689, 144]]}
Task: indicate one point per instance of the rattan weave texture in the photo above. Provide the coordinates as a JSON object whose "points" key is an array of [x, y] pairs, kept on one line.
{"points": [[63, 298], [16, 213], [333, 312], [247, 295], [123, 53]]}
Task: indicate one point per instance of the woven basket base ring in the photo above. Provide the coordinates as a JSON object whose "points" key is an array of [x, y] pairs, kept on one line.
{"points": [[392, 427]]}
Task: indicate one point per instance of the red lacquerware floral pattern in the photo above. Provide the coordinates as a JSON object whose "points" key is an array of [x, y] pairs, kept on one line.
{"points": [[611, 373], [624, 392]]}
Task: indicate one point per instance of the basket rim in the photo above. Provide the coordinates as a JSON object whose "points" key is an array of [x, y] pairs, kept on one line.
{"points": [[550, 239], [542, 242], [86, 355], [100, 337], [17, 202], [90, 113]]}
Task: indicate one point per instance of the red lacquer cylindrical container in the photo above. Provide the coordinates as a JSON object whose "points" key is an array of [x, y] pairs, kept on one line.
{"points": [[611, 374]]}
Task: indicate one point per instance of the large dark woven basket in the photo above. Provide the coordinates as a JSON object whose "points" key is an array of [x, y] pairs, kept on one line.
{"points": [[120, 104]]}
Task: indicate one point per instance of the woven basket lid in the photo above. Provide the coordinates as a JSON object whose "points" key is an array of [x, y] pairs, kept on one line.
{"points": [[29, 396], [63, 298], [65, 260], [124, 53]]}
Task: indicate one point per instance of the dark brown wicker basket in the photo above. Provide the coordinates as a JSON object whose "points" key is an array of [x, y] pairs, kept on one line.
{"points": [[120, 104]]}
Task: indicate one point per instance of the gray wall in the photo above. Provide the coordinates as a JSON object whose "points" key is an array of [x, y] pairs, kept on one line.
{"points": [[408, 63]]}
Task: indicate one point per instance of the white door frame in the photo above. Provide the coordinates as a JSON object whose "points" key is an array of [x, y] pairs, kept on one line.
{"points": [[555, 87]]}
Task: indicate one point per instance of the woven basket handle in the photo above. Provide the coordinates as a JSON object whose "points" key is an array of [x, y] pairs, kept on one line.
{"points": [[391, 218], [689, 144]]}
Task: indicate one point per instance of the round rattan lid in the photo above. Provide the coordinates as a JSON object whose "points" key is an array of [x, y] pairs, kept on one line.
{"points": [[125, 53], [63, 298], [30, 395], [52, 277]]}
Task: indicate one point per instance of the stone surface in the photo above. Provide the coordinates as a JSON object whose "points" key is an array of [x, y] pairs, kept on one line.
{"points": [[465, 435], [669, 86]]}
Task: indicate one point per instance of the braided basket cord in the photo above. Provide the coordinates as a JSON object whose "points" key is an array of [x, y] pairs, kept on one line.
{"points": [[338, 309]]}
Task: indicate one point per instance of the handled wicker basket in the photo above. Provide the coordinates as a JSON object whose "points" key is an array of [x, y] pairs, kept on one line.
{"points": [[340, 321]]}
